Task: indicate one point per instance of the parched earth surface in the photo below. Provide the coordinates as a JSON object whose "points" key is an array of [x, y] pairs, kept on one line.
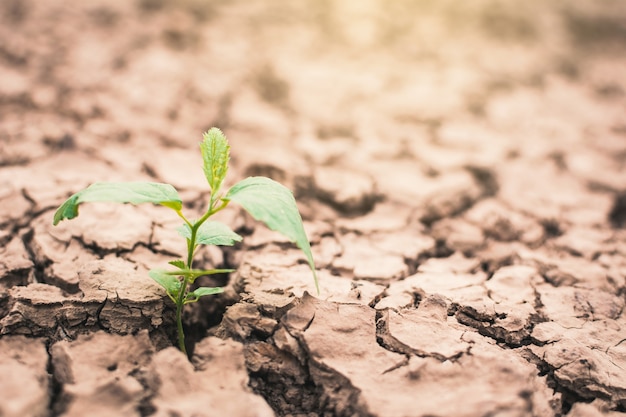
{"points": [[460, 168]]}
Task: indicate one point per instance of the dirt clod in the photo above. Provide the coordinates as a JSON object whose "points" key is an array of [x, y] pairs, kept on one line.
{"points": [[23, 364]]}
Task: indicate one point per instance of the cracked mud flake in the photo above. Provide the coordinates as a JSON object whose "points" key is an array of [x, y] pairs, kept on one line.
{"points": [[49, 180], [585, 242], [573, 307], [561, 270], [33, 310], [273, 269], [98, 374], [241, 320], [513, 284], [14, 206], [425, 331], [57, 258], [512, 288], [263, 236], [102, 374], [325, 251], [410, 243], [113, 294], [592, 410], [593, 369], [476, 302], [449, 195], [362, 259], [24, 383], [459, 235], [216, 383], [273, 278], [16, 267], [461, 288], [350, 367], [133, 300], [504, 224], [62, 272], [107, 227], [455, 263], [449, 277], [348, 191], [563, 197], [385, 217], [407, 185]]}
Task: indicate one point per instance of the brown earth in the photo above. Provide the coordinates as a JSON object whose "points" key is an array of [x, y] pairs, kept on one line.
{"points": [[460, 167]]}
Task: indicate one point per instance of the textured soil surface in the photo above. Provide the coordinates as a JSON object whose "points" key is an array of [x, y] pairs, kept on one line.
{"points": [[460, 168]]}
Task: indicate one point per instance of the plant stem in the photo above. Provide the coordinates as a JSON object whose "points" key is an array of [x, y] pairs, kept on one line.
{"points": [[180, 302], [191, 248], [179, 317]]}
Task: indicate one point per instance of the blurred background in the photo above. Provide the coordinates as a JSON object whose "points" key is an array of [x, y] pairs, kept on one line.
{"points": [[373, 87]]}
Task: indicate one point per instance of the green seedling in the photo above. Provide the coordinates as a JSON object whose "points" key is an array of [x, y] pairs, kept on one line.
{"points": [[266, 200]]}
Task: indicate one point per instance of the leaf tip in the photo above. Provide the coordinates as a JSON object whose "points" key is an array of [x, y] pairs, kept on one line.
{"points": [[67, 210], [57, 218], [213, 133]]}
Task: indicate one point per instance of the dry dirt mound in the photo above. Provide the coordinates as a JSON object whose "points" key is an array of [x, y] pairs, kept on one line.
{"points": [[460, 170]]}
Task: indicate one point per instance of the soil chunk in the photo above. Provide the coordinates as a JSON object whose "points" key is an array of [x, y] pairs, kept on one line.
{"points": [[23, 363]]}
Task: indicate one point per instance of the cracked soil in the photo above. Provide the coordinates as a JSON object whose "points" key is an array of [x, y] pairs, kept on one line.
{"points": [[460, 168]]}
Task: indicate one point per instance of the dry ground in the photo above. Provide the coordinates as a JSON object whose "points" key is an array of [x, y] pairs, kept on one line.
{"points": [[460, 167]]}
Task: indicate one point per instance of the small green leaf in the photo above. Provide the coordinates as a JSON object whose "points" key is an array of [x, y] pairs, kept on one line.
{"points": [[193, 296], [178, 263], [120, 192], [215, 156], [166, 280], [273, 204], [211, 233]]}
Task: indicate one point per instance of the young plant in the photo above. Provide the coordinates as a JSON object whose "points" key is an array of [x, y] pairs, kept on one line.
{"points": [[266, 200]]}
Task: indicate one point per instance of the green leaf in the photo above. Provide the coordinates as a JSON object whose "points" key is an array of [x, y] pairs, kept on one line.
{"points": [[211, 233], [202, 291], [178, 263], [193, 296], [166, 280], [120, 192], [273, 204], [215, 156]]}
